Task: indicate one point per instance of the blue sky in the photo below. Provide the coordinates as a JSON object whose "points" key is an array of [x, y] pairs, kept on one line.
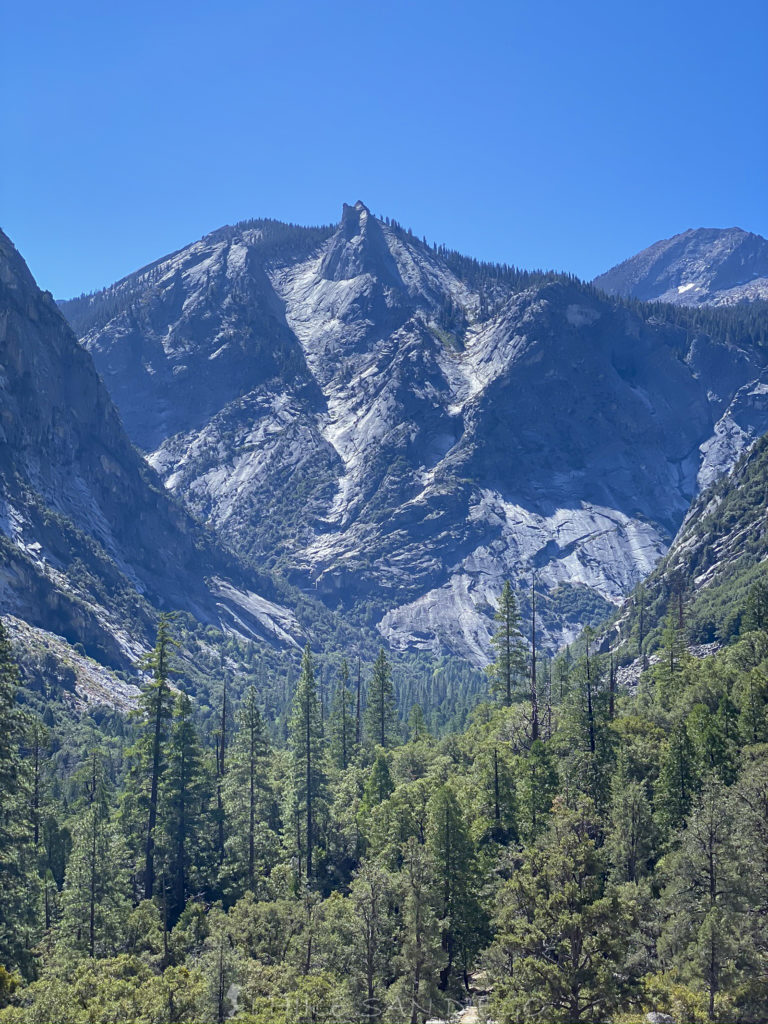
{"points": [[558, 134]]}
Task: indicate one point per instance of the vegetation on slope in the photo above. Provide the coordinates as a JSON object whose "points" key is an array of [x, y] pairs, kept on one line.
{"points": [[574, 854], [718, 560]]}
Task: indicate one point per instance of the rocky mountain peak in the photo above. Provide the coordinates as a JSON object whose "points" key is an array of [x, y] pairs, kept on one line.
{"points": [[399, 429], [354, 219], [359, 247], [701, 266]]}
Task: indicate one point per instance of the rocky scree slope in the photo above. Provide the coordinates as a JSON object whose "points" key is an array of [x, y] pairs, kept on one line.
{"points": [[91, 543], [398, 429], [705, 266]]}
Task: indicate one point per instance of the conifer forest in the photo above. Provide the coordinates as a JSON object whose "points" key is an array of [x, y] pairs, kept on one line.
{"points": [[383, 608], [576, 850]]}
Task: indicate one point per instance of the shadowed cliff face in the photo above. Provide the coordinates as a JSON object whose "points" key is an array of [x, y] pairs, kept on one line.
{"points": [[91, 543], [703, 267], [411, 429]]}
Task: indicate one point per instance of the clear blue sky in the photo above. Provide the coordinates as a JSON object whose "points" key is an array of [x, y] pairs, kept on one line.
{"points": [[563, 134]]}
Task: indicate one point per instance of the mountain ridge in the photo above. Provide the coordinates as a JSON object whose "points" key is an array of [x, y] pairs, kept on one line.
{"points": [[699, 266], [91, 543], [384, 399]]}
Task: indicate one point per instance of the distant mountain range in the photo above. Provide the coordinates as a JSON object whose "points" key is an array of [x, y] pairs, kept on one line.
{"points": [[703, 267], [395, 429]]}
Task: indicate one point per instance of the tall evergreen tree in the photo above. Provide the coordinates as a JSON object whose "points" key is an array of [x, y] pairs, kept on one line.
{"points": [[371, 897], [18, 880], [756, 611], [95, 902], [420, 948], [380, 710], [706, 930], [562, 938], [305, 735], [342, 721], [674, 657], [678, 781], [379, 785], [247, 800], [186, 819], [631, 837], [509, 666], [534, 685], [453, 856], [148, 755], [222, 737], [537, 788]]}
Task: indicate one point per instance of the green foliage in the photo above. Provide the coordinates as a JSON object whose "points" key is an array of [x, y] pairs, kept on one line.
{"points": [[309, 779], [380, 711], [186, 842], [614, 865], [560, 930], [706, 932], [509, 666], [249, 811], [18, 879], [95, 901]]}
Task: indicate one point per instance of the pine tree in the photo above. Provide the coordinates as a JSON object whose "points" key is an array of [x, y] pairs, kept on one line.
{"points": [[342, 721], [420, 947], [630, 839], [380, 710], [95, 901], [751, 694], [371, 897], [305, 736], [247, 800], [379, 785], [18, 881], [586, 726], [417, 726], [507, 641], [186, 819], [561, 937], [453, 856], [534, 690], [756, 611], [39, 737], [494, 795], [678, 781], [221, 771], [704, 898], [713, 736], [148, 755], [537, 788], [674, 657]]}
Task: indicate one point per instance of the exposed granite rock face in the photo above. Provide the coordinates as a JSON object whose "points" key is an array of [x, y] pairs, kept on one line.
{"points": [[702, 267], [398, 431], [91, 543], [719, 553]]}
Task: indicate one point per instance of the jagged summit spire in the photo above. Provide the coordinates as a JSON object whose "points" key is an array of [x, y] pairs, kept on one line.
{"points": [[358, 247], [354, 219]]}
